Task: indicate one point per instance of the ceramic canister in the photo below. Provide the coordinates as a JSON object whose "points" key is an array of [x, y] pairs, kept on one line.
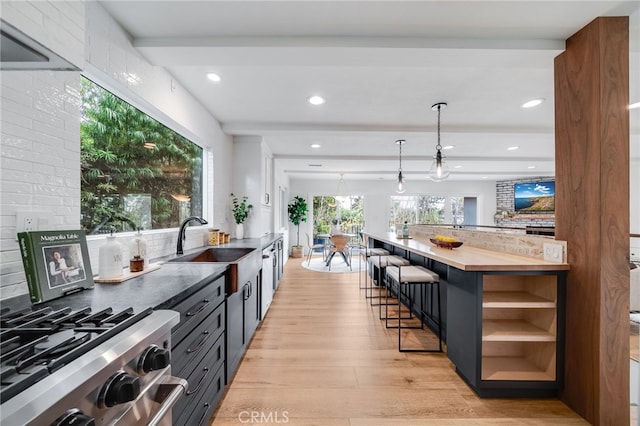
{"points": [[138, 247], [110, 259]]}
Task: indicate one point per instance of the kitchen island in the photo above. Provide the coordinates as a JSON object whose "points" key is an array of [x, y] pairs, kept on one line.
{"points": [[503, 315]]}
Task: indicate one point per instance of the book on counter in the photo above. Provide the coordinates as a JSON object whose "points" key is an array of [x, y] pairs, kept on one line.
{"points": [[55, 263]]}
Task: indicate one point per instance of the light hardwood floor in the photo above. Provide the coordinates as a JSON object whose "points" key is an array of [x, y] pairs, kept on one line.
{"points": [[322, 357]]}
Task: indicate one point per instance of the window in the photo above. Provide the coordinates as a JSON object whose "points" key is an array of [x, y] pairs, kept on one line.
{"points": [[333, 213], [422, 209], [457, 210], [136, 172]]}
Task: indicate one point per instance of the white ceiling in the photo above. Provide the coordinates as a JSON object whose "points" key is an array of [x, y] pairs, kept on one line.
{"points": [[380, 65]]}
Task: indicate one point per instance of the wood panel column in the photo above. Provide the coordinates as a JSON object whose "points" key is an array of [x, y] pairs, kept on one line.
{"points": [[592, 215]]}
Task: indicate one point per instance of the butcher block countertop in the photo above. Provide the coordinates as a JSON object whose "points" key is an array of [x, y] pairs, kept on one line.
{"points": [[469, 258]]}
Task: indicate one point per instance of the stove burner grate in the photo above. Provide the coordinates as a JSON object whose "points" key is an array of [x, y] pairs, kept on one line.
{"points": [[36, 343]]}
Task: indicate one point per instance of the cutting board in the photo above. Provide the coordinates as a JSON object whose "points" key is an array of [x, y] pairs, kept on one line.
{"points": [[127, 275]]}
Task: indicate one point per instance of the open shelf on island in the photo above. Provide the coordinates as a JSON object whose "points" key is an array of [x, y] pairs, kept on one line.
{"points": [[519, 327], [515, 299], [513, 368], [514, 331]]}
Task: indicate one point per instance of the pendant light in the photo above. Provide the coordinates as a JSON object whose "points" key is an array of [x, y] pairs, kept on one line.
{"points": [[439, 170], [401, 185], [341, 185]]}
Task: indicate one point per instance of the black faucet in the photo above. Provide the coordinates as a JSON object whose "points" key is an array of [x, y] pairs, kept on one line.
{"points": [[183, 226]]}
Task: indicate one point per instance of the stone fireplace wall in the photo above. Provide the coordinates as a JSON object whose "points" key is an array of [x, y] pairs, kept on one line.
{"points": [[505, 205]]}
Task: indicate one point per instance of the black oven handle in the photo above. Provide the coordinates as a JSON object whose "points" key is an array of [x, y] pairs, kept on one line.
{"points": [[172, 390]]}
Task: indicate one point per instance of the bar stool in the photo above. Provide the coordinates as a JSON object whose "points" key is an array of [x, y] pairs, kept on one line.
{"points": [[366, 252], [410, 276], [381, 262]]}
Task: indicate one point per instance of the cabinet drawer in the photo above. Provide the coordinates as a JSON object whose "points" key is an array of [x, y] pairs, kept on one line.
{"points": [[197, 407], [197, 307], [199, 341]]}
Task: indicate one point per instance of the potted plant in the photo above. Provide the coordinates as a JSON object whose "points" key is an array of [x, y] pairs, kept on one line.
{"points": [[240, 210], [297, 213]]}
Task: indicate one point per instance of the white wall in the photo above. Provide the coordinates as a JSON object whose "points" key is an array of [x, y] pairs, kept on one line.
{"points": [[247, 180], [377, 198], [40, 120]]}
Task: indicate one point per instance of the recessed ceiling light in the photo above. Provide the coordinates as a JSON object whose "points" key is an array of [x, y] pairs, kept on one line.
{"points": [[513, 148], [634, 105], [448, 147], [531, 167], [457, 167], [213, 77], [485, 177], [315, 145], [316, 100], [532, 103]]}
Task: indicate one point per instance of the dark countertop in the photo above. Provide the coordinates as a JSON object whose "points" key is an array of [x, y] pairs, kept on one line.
{"points": [[159, 289]]}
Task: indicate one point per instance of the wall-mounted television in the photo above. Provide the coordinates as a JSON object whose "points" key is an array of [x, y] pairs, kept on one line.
{"points": [[535, 197]]}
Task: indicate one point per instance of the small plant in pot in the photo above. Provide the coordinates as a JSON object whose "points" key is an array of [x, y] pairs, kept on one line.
{"points": [[297, 213], [240, 209]]}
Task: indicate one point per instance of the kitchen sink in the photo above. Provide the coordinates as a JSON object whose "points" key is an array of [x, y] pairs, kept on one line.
{"points": [[244, 262], [215, 255]]}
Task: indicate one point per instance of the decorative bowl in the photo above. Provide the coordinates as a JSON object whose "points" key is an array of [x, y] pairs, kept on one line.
{"points": [[446, 244]]}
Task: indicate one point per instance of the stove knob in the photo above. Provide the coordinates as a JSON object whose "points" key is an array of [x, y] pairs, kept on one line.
{"points": [[120, 388], [153, 359], [74, 417]]}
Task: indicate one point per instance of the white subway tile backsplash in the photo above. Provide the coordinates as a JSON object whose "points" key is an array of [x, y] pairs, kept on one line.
{"points": [[12, 164], [45, 117]]}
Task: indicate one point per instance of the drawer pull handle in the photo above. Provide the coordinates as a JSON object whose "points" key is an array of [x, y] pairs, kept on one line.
{"points": [[204, 376], [204, 415], [199, 346], [247, 293], [204, 304]]}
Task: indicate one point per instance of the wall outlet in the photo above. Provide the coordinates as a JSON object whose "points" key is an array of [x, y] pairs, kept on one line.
{"points": [[553, 252], [26, 221]]}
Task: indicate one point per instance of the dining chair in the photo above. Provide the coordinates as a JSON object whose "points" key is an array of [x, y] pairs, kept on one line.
{"points": [[339, 244], [313, 247]]}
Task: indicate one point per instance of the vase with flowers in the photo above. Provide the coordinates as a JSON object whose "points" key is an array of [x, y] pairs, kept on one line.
{"points": [[240, 209]]}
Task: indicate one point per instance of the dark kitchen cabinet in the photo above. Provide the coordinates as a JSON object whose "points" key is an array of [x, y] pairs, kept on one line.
{"points": [[235, 331], [251, 308], [243, 316], [198, 350]]}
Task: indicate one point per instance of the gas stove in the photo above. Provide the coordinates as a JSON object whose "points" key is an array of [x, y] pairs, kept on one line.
{"points": [[66, 366]]}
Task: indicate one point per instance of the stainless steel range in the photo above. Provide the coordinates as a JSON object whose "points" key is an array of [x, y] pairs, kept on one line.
{"points": [[76, 367]]}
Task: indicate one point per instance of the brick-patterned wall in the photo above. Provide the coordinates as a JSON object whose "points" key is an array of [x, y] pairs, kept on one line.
{"points": [[58, 25], [513, 242], [505, 203], [40, 128], [40, 131]]}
